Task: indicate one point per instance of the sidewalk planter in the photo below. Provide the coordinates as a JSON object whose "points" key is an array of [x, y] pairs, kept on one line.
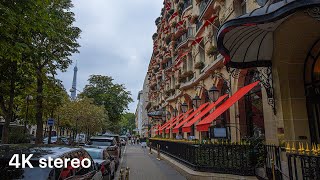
{"points": [[217, 158]]}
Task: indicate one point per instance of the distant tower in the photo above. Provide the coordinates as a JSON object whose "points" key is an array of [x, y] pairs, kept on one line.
{"points": [[74, 83]]}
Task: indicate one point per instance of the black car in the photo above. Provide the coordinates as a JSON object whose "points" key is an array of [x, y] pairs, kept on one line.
{"points": [[106, 163], [11, 172], [108, 143]]}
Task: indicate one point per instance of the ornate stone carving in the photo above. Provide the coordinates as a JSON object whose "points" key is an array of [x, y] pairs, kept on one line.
{"points": [[314, 12]]}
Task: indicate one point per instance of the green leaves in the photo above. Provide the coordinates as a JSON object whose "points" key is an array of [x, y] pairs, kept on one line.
{"points": [[114, 97]]}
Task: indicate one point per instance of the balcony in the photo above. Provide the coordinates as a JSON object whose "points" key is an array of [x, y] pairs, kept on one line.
{"points": [[203, 7], [182, 41], [186, 5], [198, 25]]}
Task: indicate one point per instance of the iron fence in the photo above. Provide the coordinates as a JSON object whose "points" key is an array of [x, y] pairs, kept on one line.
{"points": [[303, 166], [273, 158], [219, 158]]}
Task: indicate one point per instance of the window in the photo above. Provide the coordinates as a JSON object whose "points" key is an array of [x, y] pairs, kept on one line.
{"points": [[243, 7], [190, 62]]}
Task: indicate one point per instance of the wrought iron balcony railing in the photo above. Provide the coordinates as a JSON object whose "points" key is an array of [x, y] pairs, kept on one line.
{"points": [[203, 7], [198, 25], [184, 38]]}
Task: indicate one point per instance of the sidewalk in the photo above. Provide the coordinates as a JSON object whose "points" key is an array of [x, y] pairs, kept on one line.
{"points": [[144, 166]]}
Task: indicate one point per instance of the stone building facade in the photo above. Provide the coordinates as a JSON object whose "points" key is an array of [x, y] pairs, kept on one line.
{"points": [[228, 45]]}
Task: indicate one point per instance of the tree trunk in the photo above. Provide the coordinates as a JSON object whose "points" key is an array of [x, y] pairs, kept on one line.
{"points": [[9, 112], [39, 107]]}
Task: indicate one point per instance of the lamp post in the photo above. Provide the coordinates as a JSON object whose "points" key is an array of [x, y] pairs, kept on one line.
{"points": [[196, 101], [175, 112], [184, 107], [28, 98], [214, 93]]}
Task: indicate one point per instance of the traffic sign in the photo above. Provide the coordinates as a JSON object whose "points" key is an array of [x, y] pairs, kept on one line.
{"points": [[50, 122]]}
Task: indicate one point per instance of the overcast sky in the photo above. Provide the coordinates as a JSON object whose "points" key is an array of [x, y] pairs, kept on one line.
{"points": [[116, 40]]}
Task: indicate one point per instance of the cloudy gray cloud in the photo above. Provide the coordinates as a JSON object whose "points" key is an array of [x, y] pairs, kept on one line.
{"points": [[115, 41]]}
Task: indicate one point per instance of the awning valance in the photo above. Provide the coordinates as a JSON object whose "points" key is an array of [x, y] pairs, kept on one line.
{"points": [[205, 123], [173, 123], [176, 128], [187, 127], [247, 41]]}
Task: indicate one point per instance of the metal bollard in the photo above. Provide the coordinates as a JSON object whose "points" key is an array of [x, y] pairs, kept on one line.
{"points": [[121, 174], [127, 173], [158, 149], [150, 152]]}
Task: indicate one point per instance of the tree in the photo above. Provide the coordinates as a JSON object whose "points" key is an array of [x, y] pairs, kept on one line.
{"points": [[128, 122], [54, 40], [15, 72], [83, 116], [114, 97]]}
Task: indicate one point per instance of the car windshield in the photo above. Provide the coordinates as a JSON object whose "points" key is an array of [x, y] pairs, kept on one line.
{"points": [[94, 154], [101, 142]]}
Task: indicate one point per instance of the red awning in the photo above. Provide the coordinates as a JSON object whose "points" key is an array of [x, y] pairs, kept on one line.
{"points": [[178, 120], [197, 41], [168, 6], [166, 124], [167, 130], [176, 128], [180, 23], [205, 123], [210, 21], [173, 15], [178, 60], [187, 127]]}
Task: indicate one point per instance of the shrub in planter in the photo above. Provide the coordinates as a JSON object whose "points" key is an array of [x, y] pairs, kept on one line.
{"points": [[198, 1], [157, 21], [194, 19], [154, 36], [199, 65], [168, 39], [212, 50], [174, 24], [173, 38], [188, 74], [181, 79]]}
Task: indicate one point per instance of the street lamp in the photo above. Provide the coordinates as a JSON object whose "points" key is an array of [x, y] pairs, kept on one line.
{"points": [[214, 93], [168, 115], [184, 107], [28, 98], [196, 101], [175, 112]]}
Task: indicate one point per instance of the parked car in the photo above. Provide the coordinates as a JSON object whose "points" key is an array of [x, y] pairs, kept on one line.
{"points": [[11, 172], [108, 143], [116, 137], [57, 140], [104, 161], [54, 140]]}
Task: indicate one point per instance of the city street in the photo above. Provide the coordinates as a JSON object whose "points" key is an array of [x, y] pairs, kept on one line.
{"points": [[144, 166]]}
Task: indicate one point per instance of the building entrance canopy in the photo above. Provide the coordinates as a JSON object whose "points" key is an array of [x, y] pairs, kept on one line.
{"points": [[206, 122], [247, 41]]}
